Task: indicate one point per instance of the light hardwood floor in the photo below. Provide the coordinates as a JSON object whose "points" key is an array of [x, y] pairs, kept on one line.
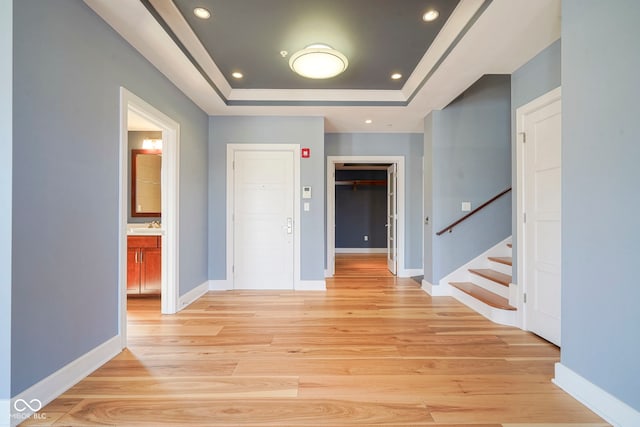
{"points": [[369, 351], [362, 265]]}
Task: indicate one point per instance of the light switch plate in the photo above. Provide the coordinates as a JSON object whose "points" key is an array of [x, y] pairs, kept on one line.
{"points": [[466, 206], [307, 206]]}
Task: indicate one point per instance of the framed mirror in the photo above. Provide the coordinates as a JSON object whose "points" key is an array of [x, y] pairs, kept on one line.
{"points": [[146, 174]]}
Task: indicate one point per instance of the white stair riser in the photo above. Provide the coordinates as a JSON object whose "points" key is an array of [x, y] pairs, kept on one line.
{"points": [[461, 273], [503, 317], [489, 285], [502, 268]]}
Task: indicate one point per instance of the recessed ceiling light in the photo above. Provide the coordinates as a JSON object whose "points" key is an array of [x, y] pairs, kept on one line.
{"points": [[368, 121], [202, 13], [237, 75], [396, 76], [430, 15]]}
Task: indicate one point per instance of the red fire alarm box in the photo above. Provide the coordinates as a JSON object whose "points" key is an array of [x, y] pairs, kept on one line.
{"points": [[305, 153]]}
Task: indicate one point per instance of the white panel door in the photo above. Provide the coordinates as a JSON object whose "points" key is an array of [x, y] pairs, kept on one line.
{"points": [[263, 228], [542, 207], [392, 219]]}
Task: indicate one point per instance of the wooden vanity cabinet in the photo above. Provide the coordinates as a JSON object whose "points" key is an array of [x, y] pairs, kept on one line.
{"points": [[144, 261]]}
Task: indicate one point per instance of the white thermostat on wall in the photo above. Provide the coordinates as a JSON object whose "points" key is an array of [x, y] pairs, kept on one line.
{"points": [[306, 192]]}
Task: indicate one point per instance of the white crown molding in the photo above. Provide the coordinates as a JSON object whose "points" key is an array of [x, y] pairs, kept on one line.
{"points": [[461, 15], [307, 95], [526, 27], [140, 29], [172, 16]]}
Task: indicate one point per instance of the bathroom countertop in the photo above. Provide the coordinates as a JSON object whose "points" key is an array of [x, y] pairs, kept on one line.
{"points": [[143, 230]]}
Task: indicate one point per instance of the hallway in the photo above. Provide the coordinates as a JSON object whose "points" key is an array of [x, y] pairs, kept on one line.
{"points": [[369, 351]]}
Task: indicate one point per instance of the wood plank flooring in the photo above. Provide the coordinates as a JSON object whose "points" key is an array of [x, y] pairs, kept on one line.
{"points": [[369, 351], [362, 265]]}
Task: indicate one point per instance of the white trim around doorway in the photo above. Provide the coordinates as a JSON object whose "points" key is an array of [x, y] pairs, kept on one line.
{"points": [[170, 202], [331, 208]]}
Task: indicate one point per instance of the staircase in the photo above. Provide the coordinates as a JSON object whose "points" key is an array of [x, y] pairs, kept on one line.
{"points": [[483, 285]]}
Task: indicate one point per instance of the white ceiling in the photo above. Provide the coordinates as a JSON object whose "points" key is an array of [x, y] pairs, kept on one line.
{"points": [[503, 38]]}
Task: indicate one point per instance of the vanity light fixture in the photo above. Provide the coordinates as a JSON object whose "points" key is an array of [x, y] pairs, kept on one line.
{"points": [[152, 144], [430, 15], [318, 61], [202, 13]]}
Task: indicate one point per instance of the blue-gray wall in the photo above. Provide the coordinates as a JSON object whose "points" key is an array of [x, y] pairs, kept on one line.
{"points": [[600, 188], [410, 146], [306, 131], [70, 66], [6, 138], [361, 210], [470, 160], [535, 78]]}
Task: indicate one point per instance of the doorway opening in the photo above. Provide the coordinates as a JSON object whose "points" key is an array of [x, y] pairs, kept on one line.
{"points": [[380, 251], [163, 230]]}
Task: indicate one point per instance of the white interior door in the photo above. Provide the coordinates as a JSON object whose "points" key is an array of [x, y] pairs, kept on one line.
{"points": [[542, 226], [263, 220], [392, 219]]}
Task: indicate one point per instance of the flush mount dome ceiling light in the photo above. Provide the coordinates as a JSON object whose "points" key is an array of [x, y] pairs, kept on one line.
{"points": [[318, 61]]}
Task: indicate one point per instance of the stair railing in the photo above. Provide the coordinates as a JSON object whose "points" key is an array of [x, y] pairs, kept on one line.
{"points": [[449, 228]]}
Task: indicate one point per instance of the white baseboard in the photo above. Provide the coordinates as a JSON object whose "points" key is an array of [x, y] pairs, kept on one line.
{"points": [[302, 285], [195, 293], [220, 285], [361, 250], [613, 410], [326, 273], [410, 272], [64, 378], [436, 290], [513, 295], [311, 285]]}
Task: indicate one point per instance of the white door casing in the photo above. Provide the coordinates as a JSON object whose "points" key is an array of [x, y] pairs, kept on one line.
{"points": [[392, 220], [539, 214], [170, 202], [263, 237], [331, 210]]}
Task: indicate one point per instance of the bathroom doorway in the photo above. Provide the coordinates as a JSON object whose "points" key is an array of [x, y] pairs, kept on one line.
{"points": [[163, 229]]}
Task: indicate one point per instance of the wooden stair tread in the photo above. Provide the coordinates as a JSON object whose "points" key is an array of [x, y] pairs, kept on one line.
{"points": [[496, 276], [481, 294], [506, 260]]}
